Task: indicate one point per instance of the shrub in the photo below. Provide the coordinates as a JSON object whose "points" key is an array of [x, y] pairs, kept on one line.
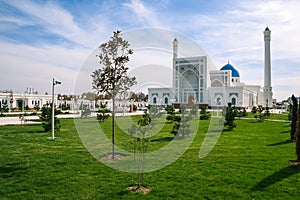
{"points": [[103, 112], [254, 110], [204, 115], [46, 118], [85, 113], [182, 126], [294, 109], [262, 113], [230, 114]]}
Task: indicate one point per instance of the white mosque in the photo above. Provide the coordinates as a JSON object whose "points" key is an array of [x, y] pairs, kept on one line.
{"points": [[194, 84]]}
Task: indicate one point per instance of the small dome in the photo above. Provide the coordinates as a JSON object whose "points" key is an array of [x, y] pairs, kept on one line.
{"points": [[234, 72]]}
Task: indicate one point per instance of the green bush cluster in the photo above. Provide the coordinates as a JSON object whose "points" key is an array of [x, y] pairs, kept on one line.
{"points": [[46, 118]]}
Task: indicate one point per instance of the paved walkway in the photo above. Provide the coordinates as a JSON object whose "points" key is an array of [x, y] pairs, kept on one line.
{"points": [[27, 119], [17, 120]]}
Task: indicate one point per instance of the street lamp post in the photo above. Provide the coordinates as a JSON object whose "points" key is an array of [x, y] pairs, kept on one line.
{"points": [[53, 84]]}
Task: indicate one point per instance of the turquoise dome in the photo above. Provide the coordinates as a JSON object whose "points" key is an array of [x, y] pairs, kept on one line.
{"points": [[234, 72]]}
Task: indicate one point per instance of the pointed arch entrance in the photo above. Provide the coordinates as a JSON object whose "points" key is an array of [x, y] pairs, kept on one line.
{"points": [[189, 87], [191, 101]]}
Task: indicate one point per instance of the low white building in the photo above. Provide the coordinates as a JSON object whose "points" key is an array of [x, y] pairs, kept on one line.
{"points": [[21, 101]]}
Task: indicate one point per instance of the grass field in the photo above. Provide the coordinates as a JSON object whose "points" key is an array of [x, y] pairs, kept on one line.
{"points": [[283, 116], [250, 162]]}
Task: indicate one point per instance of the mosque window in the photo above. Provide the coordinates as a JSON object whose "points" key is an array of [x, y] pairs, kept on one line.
{"points": [[201, 96], [154, 100], [232, 80], [233, 101], [219, 101], [166, 100]]}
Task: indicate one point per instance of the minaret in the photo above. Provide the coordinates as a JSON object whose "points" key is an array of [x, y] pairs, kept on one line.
{"points": [[175, 78], [268, 94], [175, 48]]}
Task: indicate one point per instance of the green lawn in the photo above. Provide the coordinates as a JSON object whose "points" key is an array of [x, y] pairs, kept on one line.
{"points": [[250, 162], [283, 116]]}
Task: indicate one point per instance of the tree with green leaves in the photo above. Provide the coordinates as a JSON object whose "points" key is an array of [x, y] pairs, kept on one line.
{"points": [[182, 128], [244, 112], [294, 110], [229, 113], [3, 107], [297, 137], [170, 113], [141, 135], [254, 109], [204, 115], [113, 57], [262, 113], [46, 118], [194, 110], [103, 112]]}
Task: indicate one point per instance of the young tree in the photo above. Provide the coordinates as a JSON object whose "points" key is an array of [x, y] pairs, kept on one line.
{"points": [[141, 134], [294, 110], [254, 110], [85, 112], [262, 113], [182, 127], [194, 110], [46, 117], [297, 136], [244, 112], [103, 112], [171, 113], [230, 114], [3, 107], [204, 115], [113, 55]]}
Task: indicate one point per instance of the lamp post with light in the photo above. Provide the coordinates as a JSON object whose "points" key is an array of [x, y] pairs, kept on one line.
{"points": [[53, 84]]}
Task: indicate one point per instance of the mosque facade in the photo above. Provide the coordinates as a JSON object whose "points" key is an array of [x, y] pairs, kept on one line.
{"points": [[194, 84]]}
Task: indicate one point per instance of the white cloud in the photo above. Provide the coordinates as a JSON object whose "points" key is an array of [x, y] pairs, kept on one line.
{"points": [[59, 21], [27, 66], [17, 21], [145, 15]]}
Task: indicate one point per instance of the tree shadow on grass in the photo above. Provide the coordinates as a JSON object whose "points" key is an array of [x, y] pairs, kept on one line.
{"points": [[276, 177], [285, 131], [280, 143], [164, 139]]}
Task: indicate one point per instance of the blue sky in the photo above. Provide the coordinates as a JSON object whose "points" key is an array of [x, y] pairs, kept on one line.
{"points": [[44, 39]]}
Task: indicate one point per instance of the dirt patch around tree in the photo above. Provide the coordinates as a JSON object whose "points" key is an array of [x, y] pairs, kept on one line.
{"points": [[141, 189], [109, 157], [295, 162]]}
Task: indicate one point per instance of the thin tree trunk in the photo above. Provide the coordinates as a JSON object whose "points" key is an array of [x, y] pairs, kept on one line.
{"points": [[298, 137], [298, 149], [113, 126]]}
